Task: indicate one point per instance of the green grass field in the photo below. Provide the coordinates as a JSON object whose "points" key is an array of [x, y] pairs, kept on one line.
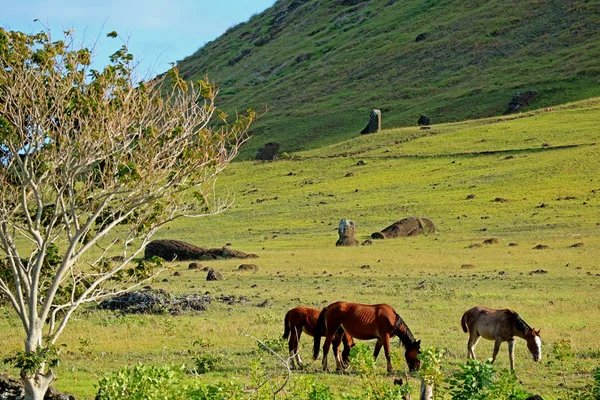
{"points": [[545, 165]]}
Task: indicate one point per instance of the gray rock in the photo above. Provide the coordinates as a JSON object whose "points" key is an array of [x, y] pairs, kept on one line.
{"points": [[268, 152], [424, 120], [214, 275], [411, 226]]}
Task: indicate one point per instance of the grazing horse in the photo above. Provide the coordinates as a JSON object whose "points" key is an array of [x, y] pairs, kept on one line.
{"points": [[500, 326], [362, 321], [304, 319]]}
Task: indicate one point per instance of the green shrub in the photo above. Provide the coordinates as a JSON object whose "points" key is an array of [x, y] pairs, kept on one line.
{"points": [[506, 387], [431, 368], [472, 381], [373, 390], [276, 344], [479, 381], [205, 362], [596, 385], [318, 391], [219, 391], [144, 382], [361, 359]]}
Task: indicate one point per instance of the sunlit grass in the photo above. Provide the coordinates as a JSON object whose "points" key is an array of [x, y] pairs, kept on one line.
{"points": [[287, 212]]}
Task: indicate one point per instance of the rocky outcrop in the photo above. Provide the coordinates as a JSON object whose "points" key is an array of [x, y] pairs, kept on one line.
{"points": [[150, 301], [170, 250], [213, 275], [268, 152], [424, 120], [521, 100], [411, 226]]}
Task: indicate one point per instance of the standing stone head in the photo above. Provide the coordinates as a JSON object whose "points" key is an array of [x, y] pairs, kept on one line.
{"points": [[347, 231]]}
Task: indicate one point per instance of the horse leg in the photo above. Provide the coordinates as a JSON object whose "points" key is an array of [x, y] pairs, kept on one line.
{"points": [[339, 365], [326, 346], [293, 347], [346, 352], [511, 354], [377, 349], [386, 349], [497, 344], [298, 359], [473, 339]]}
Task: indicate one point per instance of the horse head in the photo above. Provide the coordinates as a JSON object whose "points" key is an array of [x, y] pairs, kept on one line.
{"points": [[534, 344], [412, 356], [412, 346]]}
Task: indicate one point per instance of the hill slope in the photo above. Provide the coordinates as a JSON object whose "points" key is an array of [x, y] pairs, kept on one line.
{"points": [[322, 65]]}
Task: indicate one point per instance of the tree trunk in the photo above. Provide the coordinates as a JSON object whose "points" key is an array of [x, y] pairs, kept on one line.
{"points": [[37, 385]]}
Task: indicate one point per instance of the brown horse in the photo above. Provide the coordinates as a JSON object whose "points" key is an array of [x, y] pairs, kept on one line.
{"points": [[500, 326], [362, 321], [304, 319]]}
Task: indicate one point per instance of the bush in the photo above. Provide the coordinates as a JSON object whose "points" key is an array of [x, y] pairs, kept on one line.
{"points": [[479, 381], [380, 391], [144, 382], [219, 391], [361, 359], [275, 344], [318, 391], [205, 362]]}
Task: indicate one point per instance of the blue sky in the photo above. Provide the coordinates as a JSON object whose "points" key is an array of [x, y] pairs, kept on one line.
{"points": [[157, 31]]}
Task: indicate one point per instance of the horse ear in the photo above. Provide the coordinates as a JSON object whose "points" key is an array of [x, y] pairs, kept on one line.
{"points": [[418, 343]]}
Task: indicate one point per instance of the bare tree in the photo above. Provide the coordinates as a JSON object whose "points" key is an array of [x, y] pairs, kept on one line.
{"points": [[93, 159]]}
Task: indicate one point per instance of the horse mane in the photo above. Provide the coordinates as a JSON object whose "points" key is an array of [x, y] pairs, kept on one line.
{"points": [[521, 325], [405, 335]]}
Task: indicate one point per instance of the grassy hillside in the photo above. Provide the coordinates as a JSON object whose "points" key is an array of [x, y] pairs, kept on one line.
{"points": [[321, 65], [545, 165]]}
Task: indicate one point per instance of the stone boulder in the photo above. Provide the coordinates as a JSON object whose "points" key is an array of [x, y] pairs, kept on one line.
{"points": [[268, 152], [521, 100], [213, 275], [347, 233], [374, 124], [424, 120], [170, 250], [411, 226], [248, 267], [422, 36]]}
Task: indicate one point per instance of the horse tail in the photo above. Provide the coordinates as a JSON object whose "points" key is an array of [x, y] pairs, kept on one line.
{"points": [[319, 331], [463, 322], [286, 326]]}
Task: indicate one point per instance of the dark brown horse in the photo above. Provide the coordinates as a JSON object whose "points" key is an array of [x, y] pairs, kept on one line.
{"points": [[362, 321], [304, 319], [500, 326]]}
